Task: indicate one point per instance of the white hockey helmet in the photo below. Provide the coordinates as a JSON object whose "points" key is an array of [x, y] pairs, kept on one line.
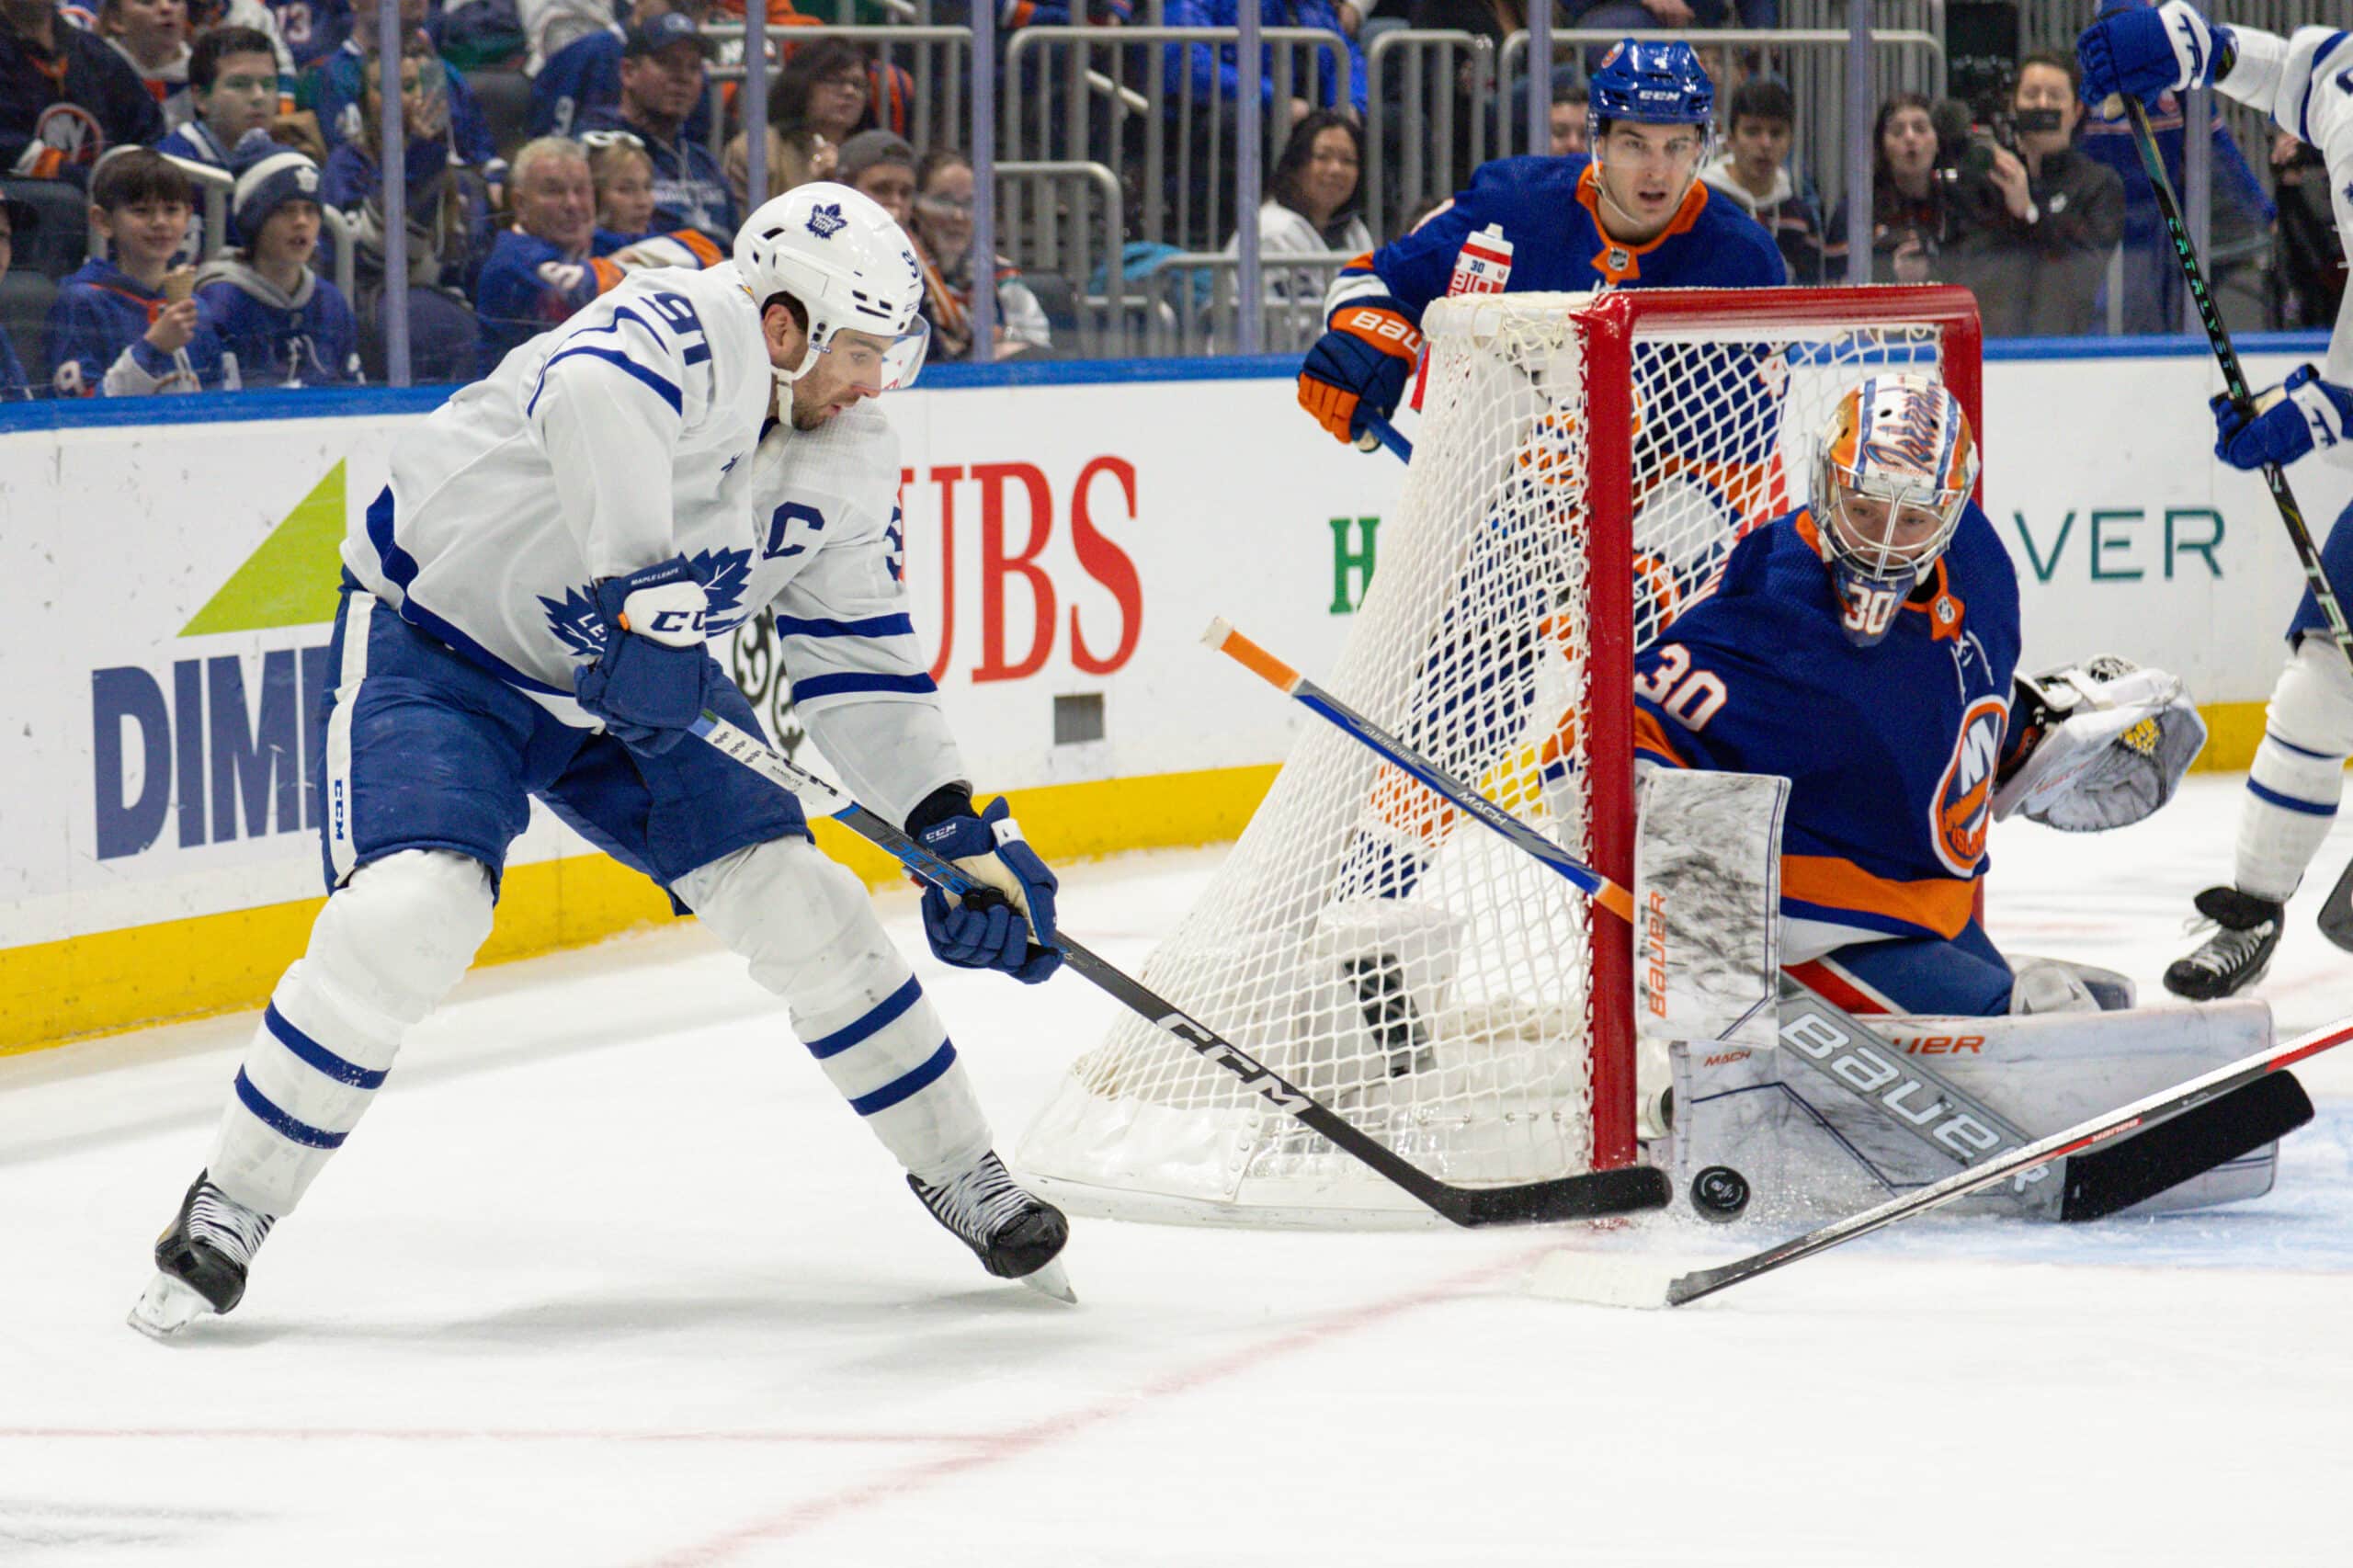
{"points": [[849, 265]]}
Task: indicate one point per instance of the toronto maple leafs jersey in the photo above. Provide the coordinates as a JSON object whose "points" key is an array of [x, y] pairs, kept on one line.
{"points": [[617, 441], [1550, 210], [2304, 81], [1890, 751]]}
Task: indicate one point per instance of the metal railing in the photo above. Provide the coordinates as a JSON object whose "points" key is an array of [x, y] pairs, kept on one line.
{"points": [[1079, 219], [935, 59], [1439, 126]]}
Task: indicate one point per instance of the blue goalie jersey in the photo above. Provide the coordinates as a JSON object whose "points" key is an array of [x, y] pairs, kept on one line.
{"points": [[1890, 751]]}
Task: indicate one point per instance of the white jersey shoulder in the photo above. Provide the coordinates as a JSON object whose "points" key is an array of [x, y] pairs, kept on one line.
{"points": [[614, 441], [2304, 81]]}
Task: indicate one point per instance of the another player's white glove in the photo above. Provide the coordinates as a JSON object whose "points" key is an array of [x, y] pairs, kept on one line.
{"points": [[2108, 743]]}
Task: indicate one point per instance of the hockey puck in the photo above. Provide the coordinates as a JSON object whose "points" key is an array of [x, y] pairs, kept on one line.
{"points": [[1719, 1193]]}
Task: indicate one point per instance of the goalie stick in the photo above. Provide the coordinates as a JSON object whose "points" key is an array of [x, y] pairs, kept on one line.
{"points": [[1592, 1195], [2093, 1186]]}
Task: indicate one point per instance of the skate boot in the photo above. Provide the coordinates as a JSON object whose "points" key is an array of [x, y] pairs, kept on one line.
{"points": [[1015, 1235], [2238, 952], [201, 1261]]}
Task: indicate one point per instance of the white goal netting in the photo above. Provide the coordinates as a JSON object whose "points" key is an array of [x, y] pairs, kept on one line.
{"points": [[1430, 983]]}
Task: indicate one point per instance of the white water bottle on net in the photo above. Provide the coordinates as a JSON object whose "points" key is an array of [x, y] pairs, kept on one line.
{"points": [[1584, 465]]}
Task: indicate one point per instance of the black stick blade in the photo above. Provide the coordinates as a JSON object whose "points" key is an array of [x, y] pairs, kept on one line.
{"points": [[2336, 911], [1629, 1190], [2124, 1173]]}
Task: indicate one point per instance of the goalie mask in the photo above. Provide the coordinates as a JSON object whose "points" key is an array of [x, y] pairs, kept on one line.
{"points": [[851, 266], [1894, 467]]}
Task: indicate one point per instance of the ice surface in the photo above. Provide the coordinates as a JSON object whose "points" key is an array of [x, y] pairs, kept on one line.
{"points": [[610, 1277]]}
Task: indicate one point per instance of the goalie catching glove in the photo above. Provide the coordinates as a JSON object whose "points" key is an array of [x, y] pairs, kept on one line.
{"points": [[2106, 743], [994, 925], [1358, 370]]}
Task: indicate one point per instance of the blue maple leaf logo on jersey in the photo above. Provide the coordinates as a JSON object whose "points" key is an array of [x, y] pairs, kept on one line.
{"points": [[827, 221], [896, 558], [724, 574]]}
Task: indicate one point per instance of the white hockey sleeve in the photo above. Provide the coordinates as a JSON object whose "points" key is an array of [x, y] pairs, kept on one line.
{"points": [[609, 408], [861, 681], [2304, 81]]}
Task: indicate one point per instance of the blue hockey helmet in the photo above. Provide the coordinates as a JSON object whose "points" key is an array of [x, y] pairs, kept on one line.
{"points": [[1653, 84]]}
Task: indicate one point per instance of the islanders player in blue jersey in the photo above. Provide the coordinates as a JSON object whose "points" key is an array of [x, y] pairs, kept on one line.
{"points": [[1865, 647], [1634, 214]]}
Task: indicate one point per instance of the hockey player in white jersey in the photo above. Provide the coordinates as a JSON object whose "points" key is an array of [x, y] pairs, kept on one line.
{"points": [[525, 612], [2305, 84]]}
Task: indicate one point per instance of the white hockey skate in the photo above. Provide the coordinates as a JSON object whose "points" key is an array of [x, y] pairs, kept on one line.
{"points": [[201, 1261], [1015, 1234]]}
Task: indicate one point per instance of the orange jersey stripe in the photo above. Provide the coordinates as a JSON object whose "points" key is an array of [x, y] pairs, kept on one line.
{"points": [[1649, 737], [1941, 905]]}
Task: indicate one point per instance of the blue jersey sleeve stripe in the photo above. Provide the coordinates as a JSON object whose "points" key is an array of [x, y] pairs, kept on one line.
{"points": [[872, 626], [312, 1054], [474, 652], [2288, 802], [881, 1015], [668, 390], [399, 565], [908, 1083], [836, 686], [2273, 736], [277, 1122]]}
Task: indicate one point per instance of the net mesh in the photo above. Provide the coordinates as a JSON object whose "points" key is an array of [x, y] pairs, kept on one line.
{"points": [[1420, 976]]}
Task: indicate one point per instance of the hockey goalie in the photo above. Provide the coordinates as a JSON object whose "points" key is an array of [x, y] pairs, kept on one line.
{"points": [[1825, 739]]}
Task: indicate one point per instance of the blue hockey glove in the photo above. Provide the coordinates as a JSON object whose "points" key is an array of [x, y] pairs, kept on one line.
{"points": [[654, 677], [2132, 49], [2302, 413], [1358, 368], [985, 929]]}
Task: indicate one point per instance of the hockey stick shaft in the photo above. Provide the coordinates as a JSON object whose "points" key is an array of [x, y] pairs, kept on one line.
{"points": [[2218, 335], [1957, 1126], [1379, 432], [2144, 1112], [1568, 1198]]}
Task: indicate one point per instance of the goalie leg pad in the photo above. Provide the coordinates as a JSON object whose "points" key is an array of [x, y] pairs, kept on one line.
{"points": [[390, 944], [809, 932], [2298, 777]]}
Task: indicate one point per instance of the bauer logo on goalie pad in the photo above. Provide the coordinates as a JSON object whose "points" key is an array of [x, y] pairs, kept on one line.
{"points": [[1253, 1074], [1868, 1073]]}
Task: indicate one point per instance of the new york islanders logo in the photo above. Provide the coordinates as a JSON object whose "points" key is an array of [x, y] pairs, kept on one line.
{"points": [[827, 221], [1963, 809]]}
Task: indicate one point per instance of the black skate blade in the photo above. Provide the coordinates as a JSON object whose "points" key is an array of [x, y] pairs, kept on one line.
{"points": [[2169, 1153], [2335, 917]]}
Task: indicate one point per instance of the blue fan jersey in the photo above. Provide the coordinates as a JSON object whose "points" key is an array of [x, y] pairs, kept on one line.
{"points": [[1890, 751], [587, 75], [315, 344], [98, 339], [1550, 210]]}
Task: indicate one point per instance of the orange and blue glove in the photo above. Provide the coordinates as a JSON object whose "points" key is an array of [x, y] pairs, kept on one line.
{"points": [[1358, 368]]}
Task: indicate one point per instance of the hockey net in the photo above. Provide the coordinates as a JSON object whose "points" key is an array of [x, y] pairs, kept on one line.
{"points": [[1582, 466]]}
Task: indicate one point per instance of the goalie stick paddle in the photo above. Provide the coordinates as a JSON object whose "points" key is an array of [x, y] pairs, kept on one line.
{"points": [[2222, 1084], [2096, 1183], [1590, 1195]]}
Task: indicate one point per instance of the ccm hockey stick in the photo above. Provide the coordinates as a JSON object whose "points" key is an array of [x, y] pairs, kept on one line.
{"points": [[2335, 917], [1590, 1195], [2093, 1186]]}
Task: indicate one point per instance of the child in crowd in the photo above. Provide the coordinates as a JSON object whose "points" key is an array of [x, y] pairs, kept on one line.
{"points": [[128, 326], [279, 323]]}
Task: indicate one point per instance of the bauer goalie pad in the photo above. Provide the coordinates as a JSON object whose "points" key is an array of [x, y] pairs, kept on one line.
{"points": [[1707, 904], [2113, 741], [1815, 1146]]}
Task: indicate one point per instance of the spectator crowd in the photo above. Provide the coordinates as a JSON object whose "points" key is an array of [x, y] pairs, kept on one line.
{"points": [[188, 179]]}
